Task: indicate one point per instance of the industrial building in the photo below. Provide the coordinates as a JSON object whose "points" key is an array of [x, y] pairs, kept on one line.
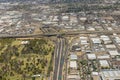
{"points": [[110, 75]]}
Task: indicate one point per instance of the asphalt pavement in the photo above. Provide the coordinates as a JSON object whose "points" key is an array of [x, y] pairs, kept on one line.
{"points": [[59, 59]]}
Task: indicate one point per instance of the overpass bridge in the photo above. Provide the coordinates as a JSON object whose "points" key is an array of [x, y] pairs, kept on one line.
{"points": [[60, 34]]}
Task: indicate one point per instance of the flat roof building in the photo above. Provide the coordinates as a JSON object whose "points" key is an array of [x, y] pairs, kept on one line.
{"points": [[104, 64], [73, 57], [73, 77], [83, 38], [106, 56], [117, 39], [73, 64], [96, 40], [83, 19], [95, 76], [110, 75], [83, 42], [113, 53], [106, 39], [110, 46], [91, 56]]}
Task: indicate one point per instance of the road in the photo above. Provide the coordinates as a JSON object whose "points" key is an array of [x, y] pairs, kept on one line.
{"points": [[59, 59], [57, 33]]}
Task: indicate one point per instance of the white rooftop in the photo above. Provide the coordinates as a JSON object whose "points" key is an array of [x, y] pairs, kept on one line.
{"points": [[73, 57], [114, 53], [110, 46], [110, 75], [104, 36], [24, 42], [95, 73], [103, 56], [75, 77], [83, 18], [73, 64], [96, 40], [104, 63], [91, 56], [65, 17], [117, 39], [83, 42], [83, 37]]}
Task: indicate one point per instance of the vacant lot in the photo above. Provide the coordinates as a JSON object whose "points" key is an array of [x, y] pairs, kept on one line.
{"points": [[20, 59]]}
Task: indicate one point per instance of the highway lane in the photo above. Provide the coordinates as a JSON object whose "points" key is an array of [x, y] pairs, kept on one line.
{"points": [[63, 56], [59, 62], [59, 59], [56, 60]]}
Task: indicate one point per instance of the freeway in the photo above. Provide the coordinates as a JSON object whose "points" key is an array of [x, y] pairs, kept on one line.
{"points": [[59, 59], [60, 33]]}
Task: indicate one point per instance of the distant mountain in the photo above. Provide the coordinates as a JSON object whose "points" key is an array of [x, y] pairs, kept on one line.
{"points": [[11, 0], [53, 1], [20, 0], [69, 1]]}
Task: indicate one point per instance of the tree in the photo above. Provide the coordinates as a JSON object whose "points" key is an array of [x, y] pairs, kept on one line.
{"points": [[83, 62]]}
